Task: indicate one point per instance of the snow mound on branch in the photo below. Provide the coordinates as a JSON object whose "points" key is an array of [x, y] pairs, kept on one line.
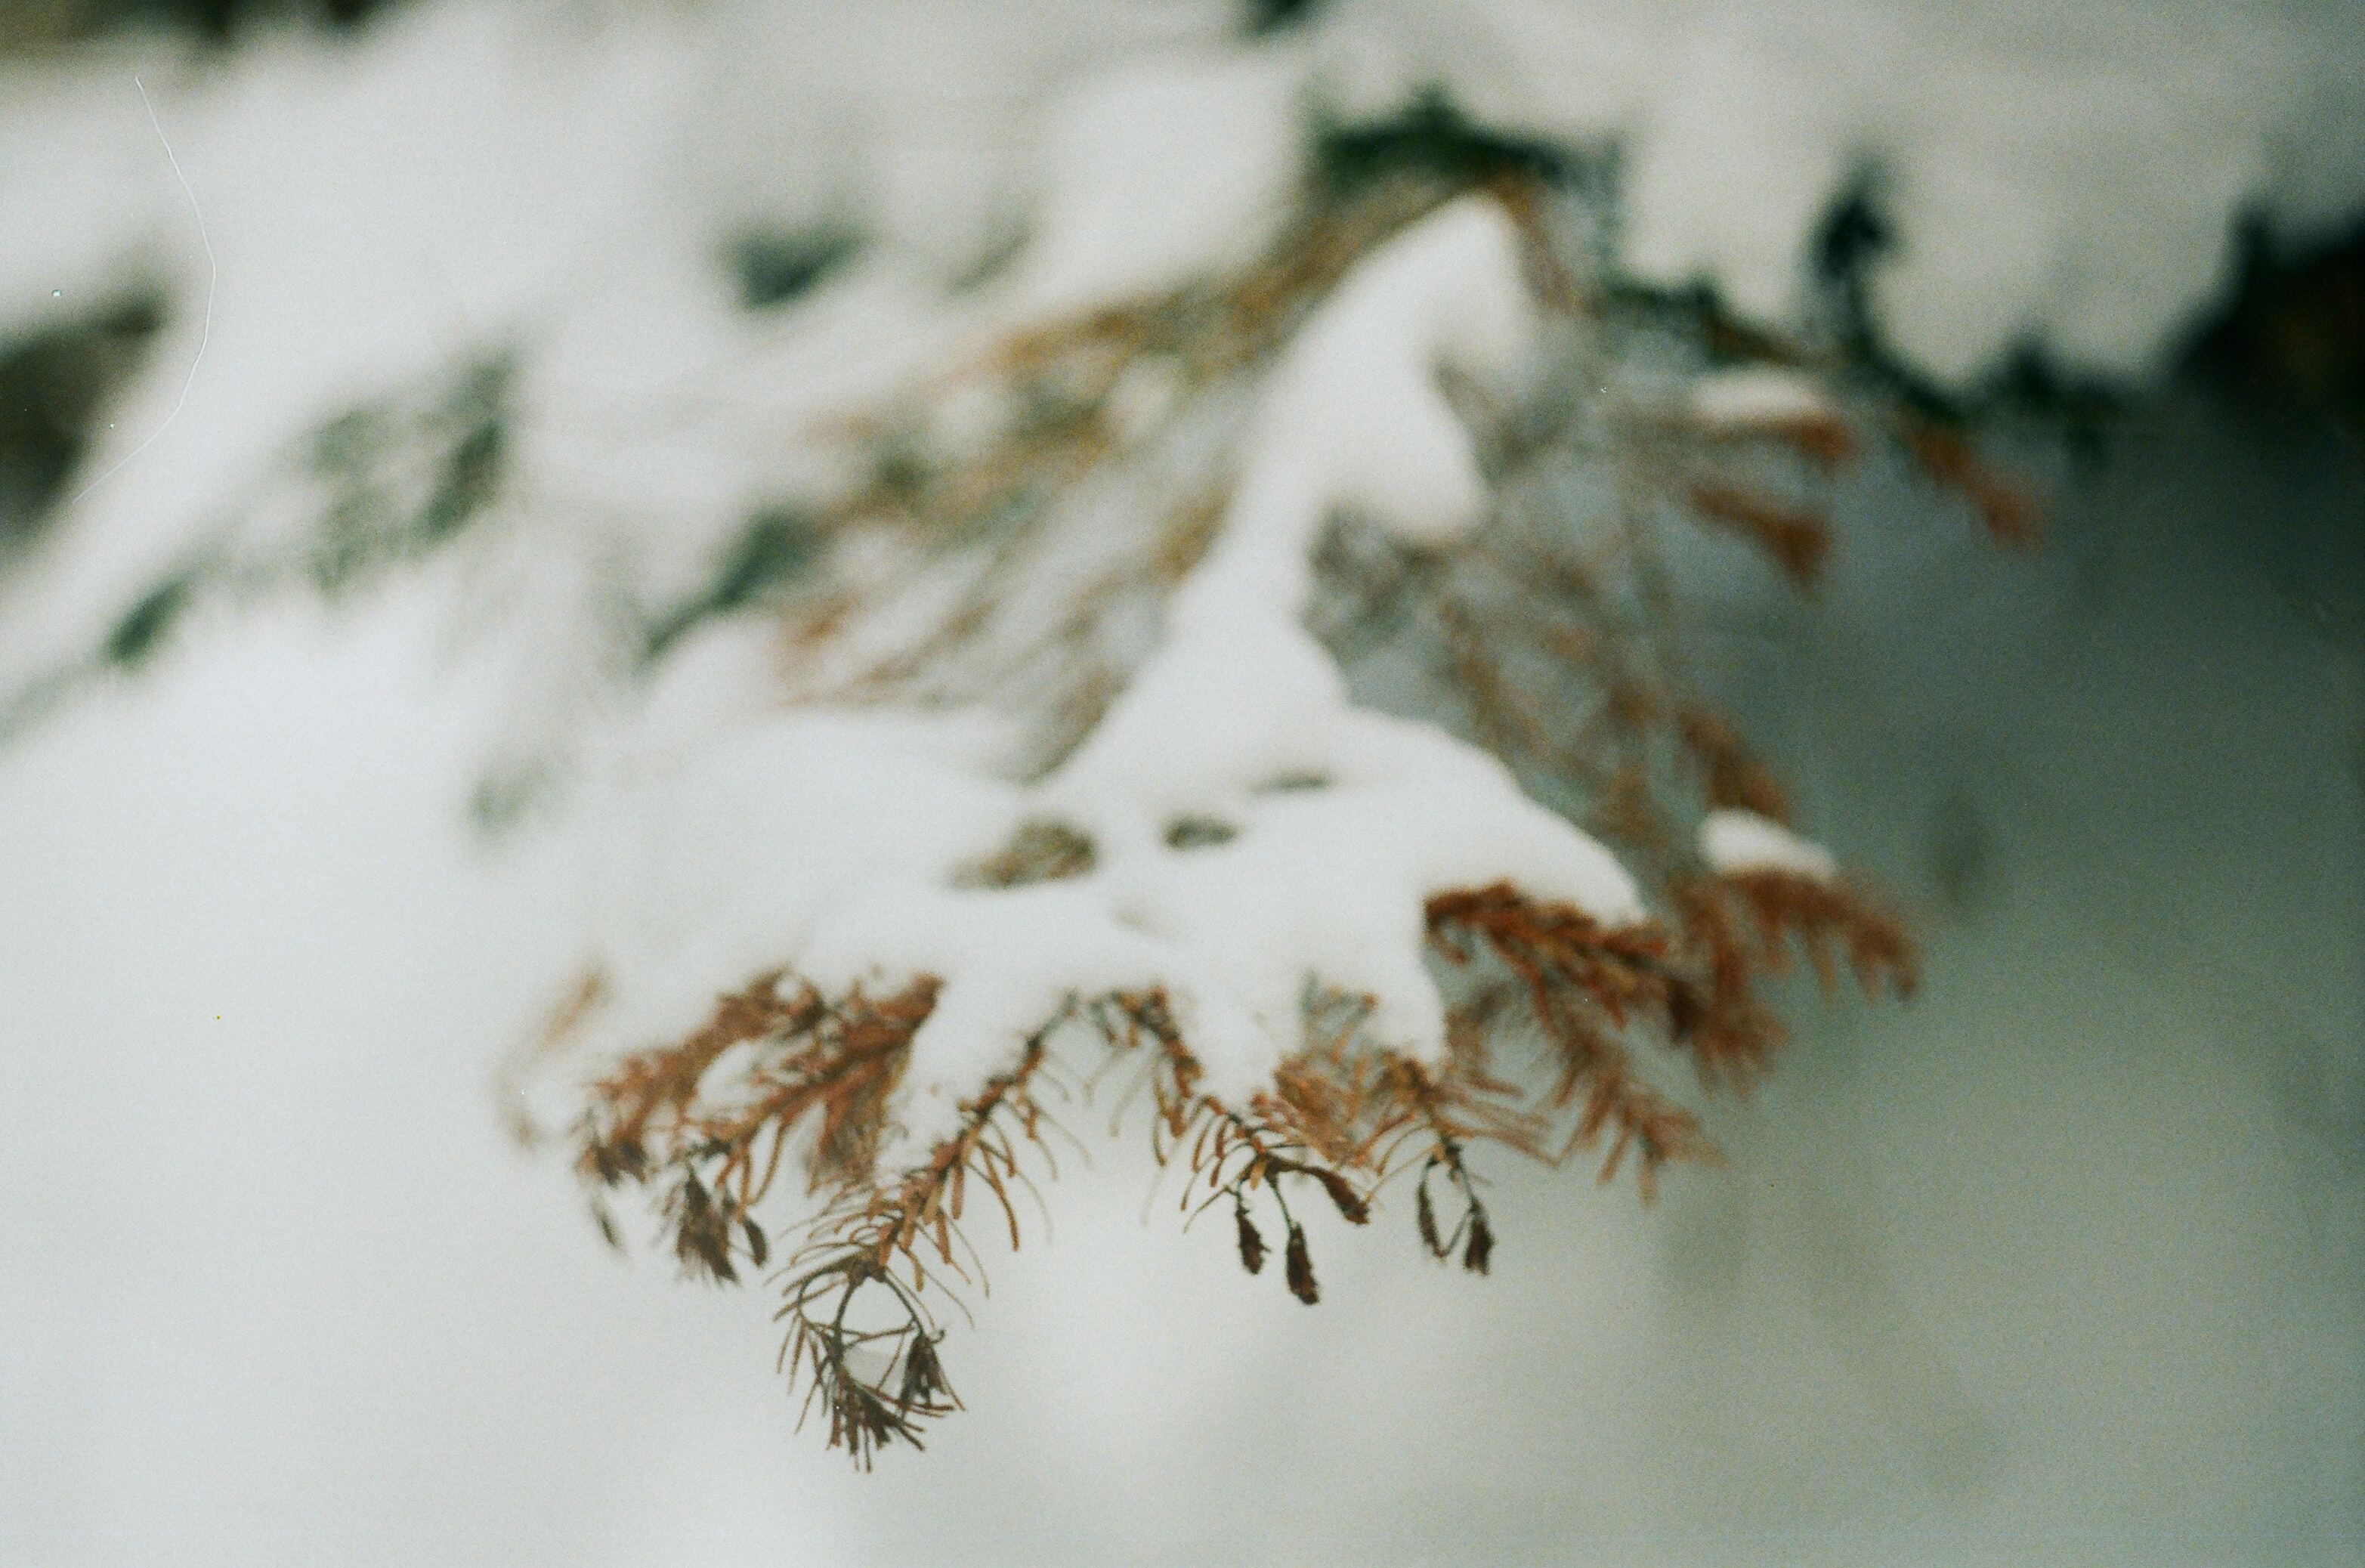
{"points": [[1734, 842], [1159, 173], [1322, 829], [2062, 172], [1757, 396]]}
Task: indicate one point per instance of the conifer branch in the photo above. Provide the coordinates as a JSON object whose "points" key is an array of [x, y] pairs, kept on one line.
{"points": [[1555, 646]]}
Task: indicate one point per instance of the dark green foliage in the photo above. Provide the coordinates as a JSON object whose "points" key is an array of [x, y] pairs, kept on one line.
{"points": [[1433, 137], [1695, 313], [1849, 242], [1198, 832], [402, 481], [348, 543], [506, 796], [1854, 237], [1273, 16], [53, 385], [143, 627], [774, 268], [1854, 232], [2293, 336], [471, 474], [349, 442], [778, 548], [1843, 257], [2082, 410], [388, 482], [215, 22]]}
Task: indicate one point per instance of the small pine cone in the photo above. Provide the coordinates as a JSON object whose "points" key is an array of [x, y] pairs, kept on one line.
{"points": [[1251, 1243], [759, 1249], [1481, 1246], [1351, 1206], [924, 1374], [702, 1233], [1301, 1268]]}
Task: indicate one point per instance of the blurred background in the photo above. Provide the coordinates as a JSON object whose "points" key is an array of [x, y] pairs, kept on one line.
{"points": [[2063, 1261]]}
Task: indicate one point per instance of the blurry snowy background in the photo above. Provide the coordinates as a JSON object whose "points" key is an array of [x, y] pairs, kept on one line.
{"points": [[2063, 1262]]}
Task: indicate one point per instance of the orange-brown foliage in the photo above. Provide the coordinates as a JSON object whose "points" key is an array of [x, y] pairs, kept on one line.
{"points": [[2008, 512], [1799, 541]]}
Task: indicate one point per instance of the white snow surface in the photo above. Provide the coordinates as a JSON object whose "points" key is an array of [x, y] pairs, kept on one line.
{"points": [[1755, 397], [1159, 173], [1733, 841]]}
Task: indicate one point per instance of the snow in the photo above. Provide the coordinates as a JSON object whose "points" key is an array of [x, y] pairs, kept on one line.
{"points": [[1756, 398], [725, 856], [371, 214], [853, 837], [468, 174], [476, 173], [1733, 842], [1157, 173], [472, 173], [2066, 173], [278, 1290]]}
